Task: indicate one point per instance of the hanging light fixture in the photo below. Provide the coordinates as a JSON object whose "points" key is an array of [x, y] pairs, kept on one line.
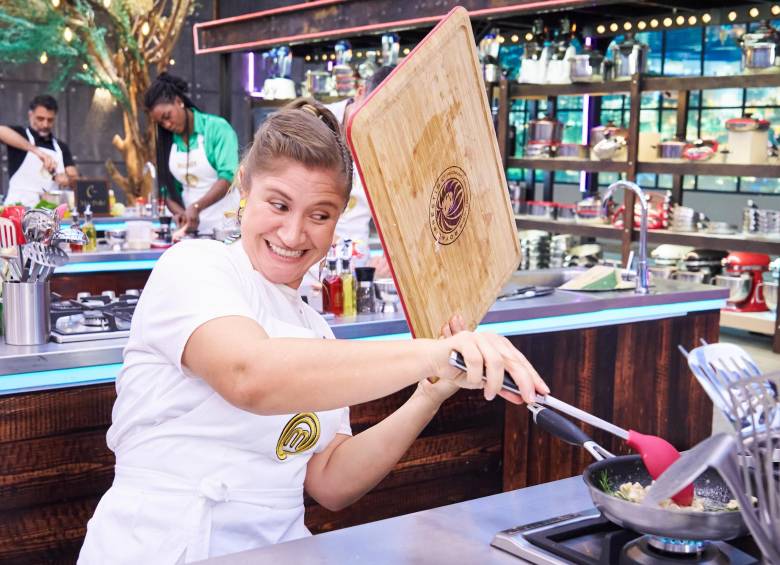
{"points": [[145, 29], [106, 4], [43, 58], [692, 20], [680, 20], [515, 38], [67, 35], [668, 22], [706, 18], [85, 67], [172, 62], [641, 24], [627, 26], [753, 12], [55, 3], [653, 23], [732, 16], [529, 36], [613, 27], [775, 10]]}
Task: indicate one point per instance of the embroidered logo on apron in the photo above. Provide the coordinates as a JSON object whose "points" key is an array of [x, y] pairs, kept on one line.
{"points": [[300, 433]]}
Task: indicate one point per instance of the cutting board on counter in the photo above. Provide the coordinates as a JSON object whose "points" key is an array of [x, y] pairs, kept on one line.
{"points": [[426, 150]]}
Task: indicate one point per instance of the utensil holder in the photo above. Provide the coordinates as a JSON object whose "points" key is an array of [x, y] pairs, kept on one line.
{"points": [[26, 318]]}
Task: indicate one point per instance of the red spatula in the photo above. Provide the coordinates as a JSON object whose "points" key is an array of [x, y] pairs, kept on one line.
{"points": [[657, 453]]}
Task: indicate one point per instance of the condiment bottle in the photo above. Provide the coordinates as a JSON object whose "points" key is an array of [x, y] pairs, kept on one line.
{"points": [[348, 286], [89, 230], [74, 215], [365, 289], [332, 293]]}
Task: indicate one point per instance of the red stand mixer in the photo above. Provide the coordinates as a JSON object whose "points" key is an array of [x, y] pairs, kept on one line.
{"points": [[748, 267]]}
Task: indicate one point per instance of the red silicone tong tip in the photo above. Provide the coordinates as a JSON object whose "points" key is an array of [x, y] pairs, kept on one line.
{"points": [[657, 455]]}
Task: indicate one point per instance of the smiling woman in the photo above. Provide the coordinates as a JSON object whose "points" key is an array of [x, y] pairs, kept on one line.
{"points": [[230, 403]]}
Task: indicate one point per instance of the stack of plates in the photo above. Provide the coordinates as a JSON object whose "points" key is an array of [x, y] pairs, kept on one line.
{"points": [[768, 222], [720, 228], [535, 246], [559, 244], [683, 219], [586, 255]]}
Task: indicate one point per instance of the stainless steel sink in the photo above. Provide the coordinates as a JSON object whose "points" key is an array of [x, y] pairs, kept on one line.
{"points": [[545, 277]]}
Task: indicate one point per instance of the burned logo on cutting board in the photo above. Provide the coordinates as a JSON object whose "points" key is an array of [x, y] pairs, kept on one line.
{"points": [[449, 208]]}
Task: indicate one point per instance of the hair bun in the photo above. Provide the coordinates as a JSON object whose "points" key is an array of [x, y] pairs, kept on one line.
{"points": [[178, 83]]}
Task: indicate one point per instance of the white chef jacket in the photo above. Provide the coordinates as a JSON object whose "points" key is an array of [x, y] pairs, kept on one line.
{"points": [[195, 476]]}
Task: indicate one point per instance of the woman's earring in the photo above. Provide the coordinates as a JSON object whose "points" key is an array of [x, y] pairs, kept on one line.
{"points": [[241, 206]]}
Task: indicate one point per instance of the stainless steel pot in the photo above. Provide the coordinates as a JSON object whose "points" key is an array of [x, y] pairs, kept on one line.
{"points": [[671, 149], [571, 150], [547, 129], [588, 66], [739, 286], [318, 82], [609, 130], [758, 56], [628, 58]]}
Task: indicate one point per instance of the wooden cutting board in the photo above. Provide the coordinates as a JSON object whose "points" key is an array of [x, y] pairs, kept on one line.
{"points": [[426, 150]]}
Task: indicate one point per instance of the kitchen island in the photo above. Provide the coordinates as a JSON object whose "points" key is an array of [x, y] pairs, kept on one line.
{"points": [[612, 353]]}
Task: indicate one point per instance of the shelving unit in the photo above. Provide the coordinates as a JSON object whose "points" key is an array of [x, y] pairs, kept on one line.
{"points": [[632, 167]]}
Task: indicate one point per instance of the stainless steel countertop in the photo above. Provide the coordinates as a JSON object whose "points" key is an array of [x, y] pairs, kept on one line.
{"points": [[107, 255], [559, 311], [458, 533]]}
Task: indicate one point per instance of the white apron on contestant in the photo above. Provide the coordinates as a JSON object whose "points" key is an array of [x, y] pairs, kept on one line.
{"points": [[31, 180], [197, 176]]}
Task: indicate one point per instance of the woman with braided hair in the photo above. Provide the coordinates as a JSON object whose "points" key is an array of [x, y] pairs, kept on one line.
{"points": [[197, 156], [233, 398]]}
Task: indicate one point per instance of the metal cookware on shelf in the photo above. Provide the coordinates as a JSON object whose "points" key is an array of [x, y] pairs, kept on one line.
{"points": [[747, 123], [571, 150], [672, 149], [588, 66], [629, 57], [759, 50], [700, 150], [540, 149], [547, 129], [606, 131]]}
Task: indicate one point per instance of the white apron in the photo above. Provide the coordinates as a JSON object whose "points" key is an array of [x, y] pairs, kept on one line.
{"points": [[154, 509], [31, 180], [196, 477], [197, 176]]}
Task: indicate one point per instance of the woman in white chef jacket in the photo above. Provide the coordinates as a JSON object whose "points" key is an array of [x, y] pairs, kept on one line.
{"points": [[197, 156], [230, 403]]}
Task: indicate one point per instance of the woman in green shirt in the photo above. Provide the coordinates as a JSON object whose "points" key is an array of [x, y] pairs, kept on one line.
{"points": [[197, 156]]}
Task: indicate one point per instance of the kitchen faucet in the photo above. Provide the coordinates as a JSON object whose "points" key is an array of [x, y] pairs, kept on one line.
{"points": [[152, 170], [642, 278]]}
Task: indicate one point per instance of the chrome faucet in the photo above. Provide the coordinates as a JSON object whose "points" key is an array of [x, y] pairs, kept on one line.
{"points": [[642, 277], [152, 170]]}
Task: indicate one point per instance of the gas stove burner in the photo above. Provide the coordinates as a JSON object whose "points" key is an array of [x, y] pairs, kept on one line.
{"points": [[587, 538], [90, 317], [94, 318], [676, 546], [652, 550]]}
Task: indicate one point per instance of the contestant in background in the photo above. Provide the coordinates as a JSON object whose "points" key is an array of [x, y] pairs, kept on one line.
{"points": [[197, 156], [37, 161]]}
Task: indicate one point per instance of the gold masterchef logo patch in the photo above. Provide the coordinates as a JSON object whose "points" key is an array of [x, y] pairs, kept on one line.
{"points": [[300, 433]]}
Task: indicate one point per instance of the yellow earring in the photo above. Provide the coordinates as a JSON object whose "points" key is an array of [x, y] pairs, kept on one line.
{"points": [[241, 206]]}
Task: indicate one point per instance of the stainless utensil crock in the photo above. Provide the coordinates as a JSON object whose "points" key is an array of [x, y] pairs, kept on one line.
{"points": [[26, 312]]}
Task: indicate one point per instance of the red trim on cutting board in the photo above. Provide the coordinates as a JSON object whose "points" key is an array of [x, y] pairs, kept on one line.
{"points": [[360, 170]]}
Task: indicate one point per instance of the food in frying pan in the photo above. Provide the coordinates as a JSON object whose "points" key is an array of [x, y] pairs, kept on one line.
{"points": [[635, 492]]}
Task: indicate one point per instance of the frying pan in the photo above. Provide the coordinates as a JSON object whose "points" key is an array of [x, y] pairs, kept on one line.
{"points": [[677, 524]]}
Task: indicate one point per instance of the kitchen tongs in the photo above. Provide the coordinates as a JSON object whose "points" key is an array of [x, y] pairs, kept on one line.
{"points": [[657, 453]]}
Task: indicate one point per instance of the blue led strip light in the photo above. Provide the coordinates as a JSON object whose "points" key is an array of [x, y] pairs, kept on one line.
{"points": [[105, 226], [59, 378], [106, 373], [585, 320], [106, 266]]}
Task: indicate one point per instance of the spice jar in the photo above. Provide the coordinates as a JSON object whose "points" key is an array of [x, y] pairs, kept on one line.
{"points": [[365, 289]]}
